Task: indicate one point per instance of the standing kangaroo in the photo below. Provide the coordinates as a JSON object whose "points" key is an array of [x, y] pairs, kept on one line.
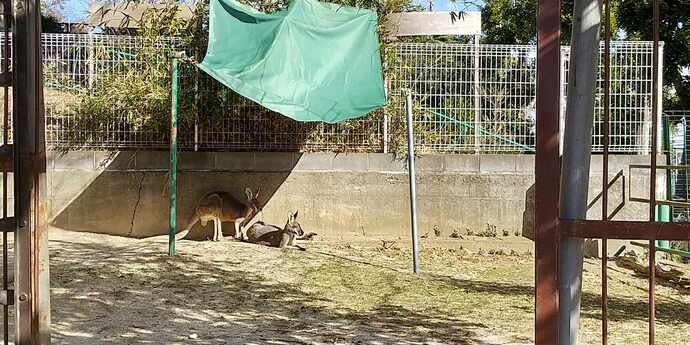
{"points": [[223, 207], [273, 236]]}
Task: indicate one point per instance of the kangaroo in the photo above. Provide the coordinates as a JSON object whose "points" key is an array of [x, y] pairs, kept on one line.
{"points": [[273, 236], [221, 206]]}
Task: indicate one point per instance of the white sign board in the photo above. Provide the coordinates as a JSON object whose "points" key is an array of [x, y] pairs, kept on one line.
{"points": [[434, 23]]}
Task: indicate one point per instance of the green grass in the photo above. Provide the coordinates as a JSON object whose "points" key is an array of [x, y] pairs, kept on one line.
{"points": [[493, 292]]}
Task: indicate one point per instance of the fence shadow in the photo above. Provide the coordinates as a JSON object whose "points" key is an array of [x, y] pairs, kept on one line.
{"points": [[109, 295]]}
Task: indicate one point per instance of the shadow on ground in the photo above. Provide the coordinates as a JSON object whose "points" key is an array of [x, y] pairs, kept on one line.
{"points": [[103, 294]]}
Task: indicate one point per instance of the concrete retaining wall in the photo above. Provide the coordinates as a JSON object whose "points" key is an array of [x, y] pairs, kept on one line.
{"points": [[338, 196]]}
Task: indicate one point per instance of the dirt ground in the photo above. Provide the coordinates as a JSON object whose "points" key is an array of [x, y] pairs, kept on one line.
{"points": [[112, 290]]}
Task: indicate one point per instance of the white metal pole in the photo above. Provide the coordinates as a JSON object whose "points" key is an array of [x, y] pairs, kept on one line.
{"points": [[385, 133], [413, 181], [385, 119], [477, 98], [577, 152], [659, 104]]}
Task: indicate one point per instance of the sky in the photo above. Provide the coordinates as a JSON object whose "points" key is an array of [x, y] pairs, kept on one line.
{"points": [[76, 10], [445, 5]]}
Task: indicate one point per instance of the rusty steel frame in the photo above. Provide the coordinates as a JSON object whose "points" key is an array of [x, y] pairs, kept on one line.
{"points": [[9, 296], [549, 227], [32, 281], [547, 163], [605, 172]]}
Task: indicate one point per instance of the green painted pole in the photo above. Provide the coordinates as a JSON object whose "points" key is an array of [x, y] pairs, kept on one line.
{"points": [[173, 157], [664, 211]]}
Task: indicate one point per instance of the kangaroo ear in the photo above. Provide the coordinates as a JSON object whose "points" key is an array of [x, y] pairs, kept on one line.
{"points": [[249, 193], [294, 216], [258, 190]]}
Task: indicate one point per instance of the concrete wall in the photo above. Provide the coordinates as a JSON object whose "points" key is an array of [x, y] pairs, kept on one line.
{"points": [[338, 196]]}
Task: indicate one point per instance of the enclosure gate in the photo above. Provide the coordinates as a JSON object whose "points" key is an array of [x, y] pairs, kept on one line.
{"points": [[6, 294], [549, 227], [23, 154]]}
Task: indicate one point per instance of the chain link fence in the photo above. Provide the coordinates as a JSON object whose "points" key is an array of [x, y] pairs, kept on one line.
{"points": [[468, 98]]}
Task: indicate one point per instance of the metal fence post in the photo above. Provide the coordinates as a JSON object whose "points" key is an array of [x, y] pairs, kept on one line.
{"points": [[477, 98], [173, 156], [385, 133], [547, 234], [660, 90], [385, 118], [91, 61], [413, 181], [562, 100]]}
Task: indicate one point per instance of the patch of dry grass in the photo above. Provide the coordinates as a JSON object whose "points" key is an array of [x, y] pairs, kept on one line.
{"points": [[110, 290]]}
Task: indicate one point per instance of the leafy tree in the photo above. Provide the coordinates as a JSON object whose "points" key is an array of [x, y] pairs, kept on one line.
{"points": [[50, 23], [515, 21], [636, 21], [52, 15]]}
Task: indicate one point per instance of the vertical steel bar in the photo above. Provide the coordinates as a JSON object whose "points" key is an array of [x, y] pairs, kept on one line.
{"points": [[386, 87], [385, 133], [173, 157], [413, 181], [196, 108], [5, 133], [477, 99], [652, 180], [605, 172], [546, 166]]}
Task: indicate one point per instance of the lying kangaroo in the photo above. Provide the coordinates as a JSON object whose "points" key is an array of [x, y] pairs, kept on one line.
{"points": [[273, 236], [223, 207]]}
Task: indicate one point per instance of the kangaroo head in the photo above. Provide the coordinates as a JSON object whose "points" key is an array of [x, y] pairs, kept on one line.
{"points": [[292, 226], [253, 200]]}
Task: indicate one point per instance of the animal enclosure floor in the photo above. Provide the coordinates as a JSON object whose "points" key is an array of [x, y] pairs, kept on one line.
{"points": [[111, 290]]}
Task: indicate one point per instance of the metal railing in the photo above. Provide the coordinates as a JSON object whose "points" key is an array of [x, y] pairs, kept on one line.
{"points": [[677, 130], [468, 98]]}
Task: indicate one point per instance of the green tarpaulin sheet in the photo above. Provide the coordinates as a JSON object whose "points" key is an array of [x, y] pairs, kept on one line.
{"points": [[313, 61]]}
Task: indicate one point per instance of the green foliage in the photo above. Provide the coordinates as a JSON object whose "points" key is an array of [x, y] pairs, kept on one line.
{"points": [[515, 22], [137, 98], [509, 22], [131, 101], [636, 20], [50, 23]]}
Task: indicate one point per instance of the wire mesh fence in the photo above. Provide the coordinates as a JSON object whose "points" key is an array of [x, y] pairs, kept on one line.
{"points": [[212, 117], [468, 98], [472, 98], [482, 98], [677, 134]]}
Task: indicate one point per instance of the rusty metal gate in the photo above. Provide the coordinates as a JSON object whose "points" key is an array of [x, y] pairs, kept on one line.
{"points": [[25, 283], [550, 229], [7, 294]]}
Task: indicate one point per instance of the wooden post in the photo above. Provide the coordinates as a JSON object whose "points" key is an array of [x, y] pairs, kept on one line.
{"points": [[32, 281]]}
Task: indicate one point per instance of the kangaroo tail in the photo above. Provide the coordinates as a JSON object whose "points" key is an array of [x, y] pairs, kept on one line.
{"points": [[183, 234]]}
